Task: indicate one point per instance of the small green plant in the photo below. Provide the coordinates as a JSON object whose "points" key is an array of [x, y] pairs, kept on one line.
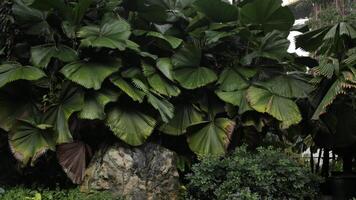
{"points": [[264, 174], [24, 193]]}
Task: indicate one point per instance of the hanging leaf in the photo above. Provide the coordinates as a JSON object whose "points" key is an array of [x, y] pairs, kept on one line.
{"points": [[11, 72], [234, 78], [337, 88], [130, 125], [173, 41], [165, 108], [34, 19], [328, 40], [269, 14], [236, 98], [217, 10], [311, 40], [133, 92], [28, 140], [159, 83], [281, 108], [165, 66], [112, 34], [187, 69], [184, 116], [71, 100], [41, 55], [95, 102], [291, 87], [211, 138], [46, 5], [273, 45], [73, 157], [80, 9], [162, 11], [90, 75]]}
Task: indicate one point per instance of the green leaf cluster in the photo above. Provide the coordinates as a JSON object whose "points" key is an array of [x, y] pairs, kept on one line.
{"points": [[198, 69]]}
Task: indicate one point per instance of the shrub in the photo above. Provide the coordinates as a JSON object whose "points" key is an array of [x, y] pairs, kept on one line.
{"points": [[141, 68], [265, 174], [19, 193]]}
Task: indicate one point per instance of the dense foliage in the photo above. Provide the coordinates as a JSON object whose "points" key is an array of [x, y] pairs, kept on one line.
{"points": [[329, 14], [140, 67], [249, 175], [47, 194], [215, 74]]}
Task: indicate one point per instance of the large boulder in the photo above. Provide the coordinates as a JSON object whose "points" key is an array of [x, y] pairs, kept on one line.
{"points": [[145, 172]]}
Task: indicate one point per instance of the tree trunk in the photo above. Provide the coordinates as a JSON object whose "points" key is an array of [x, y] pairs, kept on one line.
{"points": [[325, 167], [347, 163]]}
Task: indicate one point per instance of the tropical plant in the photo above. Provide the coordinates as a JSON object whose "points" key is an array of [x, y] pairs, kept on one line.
{"points": [[204, 69], [334, 78], [249, 175]]}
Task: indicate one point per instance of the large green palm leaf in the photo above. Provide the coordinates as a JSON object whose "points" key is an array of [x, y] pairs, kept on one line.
{"points": [[113, 34], [89, 74], [267, 13], [11, 72], [41, 55], [217, 10], [130, 125], [135, 93], [159, 83], [211, 138], [95, 102], [184, 116], [281, 108], [29, 140], [71, 100], [236, 98], [187, 69], [16, 102]]}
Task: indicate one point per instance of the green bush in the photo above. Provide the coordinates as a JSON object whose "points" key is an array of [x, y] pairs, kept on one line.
{"points": [[330, 15], [23, 193], [265, 174]]}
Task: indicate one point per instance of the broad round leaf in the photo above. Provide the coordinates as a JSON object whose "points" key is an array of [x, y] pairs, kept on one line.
{"points": [[173, 41], [187, 56], [337, 88], [192, 78], [233, 78], [236, 98], [111, 34], [10, 72], [41, 55], [211, 138], [159, 83], [187, 69], [165, 66], [164, 107], [131, 126], [161, 10], [95, 102], [29, 141], [269, 14], [217, 10], [184, 116], [281, 108], [129, 89], [291, 87], [89, 75], [73, 157], [71, 100]]}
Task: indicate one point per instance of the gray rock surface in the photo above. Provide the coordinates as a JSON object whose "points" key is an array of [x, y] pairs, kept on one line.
{"points": [[138, 173]]}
